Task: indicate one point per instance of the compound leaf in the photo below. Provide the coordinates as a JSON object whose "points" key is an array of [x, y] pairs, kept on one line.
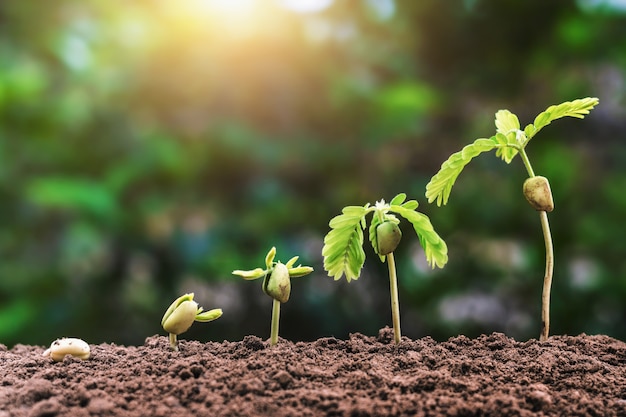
{"points": [[577, 108], [508, 140], [440, 185], [343, 245], [434, 246]]}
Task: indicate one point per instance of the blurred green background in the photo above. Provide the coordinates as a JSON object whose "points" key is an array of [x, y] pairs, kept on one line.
{"points": [[148, 148]]}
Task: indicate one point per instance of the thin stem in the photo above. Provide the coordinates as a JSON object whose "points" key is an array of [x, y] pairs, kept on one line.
{"points": [[395, 304], [529, 167], [547, 279], [173, 342], [275, 322]]}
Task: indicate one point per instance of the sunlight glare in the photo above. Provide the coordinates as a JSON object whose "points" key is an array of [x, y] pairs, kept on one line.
{"points": [[306, 6], [229, 9], [239, 19], [228, 6]]}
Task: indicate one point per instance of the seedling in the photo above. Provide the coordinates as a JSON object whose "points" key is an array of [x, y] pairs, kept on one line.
{"points": [[276, 284], [509, 141], [68, 346], [343, 245], [182, 313]]}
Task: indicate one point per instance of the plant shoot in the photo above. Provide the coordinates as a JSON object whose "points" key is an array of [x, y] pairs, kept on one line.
{"points": [[182, 313], [276, 283], [343, 245], [508, 142]]}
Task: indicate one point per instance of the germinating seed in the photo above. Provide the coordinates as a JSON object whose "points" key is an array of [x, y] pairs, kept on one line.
{"points": [[68, 346]]}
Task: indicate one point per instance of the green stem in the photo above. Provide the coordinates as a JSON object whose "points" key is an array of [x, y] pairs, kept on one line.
{"points": [[547, 278], [173, 342], [395, 304], [529, 168], [275, 322]]}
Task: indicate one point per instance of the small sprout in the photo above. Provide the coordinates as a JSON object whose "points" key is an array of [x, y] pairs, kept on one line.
{"points": [[68, 346], [509, 141], [276, 283], [343, 245], [182, 313]]}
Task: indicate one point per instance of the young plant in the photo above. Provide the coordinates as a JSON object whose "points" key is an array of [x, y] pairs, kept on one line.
{"points": [[343, 245], [182, 313], [276, 283], [508, 142]]}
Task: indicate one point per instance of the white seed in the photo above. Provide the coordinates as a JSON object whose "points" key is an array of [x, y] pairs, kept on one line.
{"points": [[68, 346]]}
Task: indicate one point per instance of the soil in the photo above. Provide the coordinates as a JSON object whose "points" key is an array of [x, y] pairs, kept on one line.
{"points": [[363, 376]]}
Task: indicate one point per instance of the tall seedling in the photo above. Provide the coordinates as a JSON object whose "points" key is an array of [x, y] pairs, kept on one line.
{"points": [[509, 141]]}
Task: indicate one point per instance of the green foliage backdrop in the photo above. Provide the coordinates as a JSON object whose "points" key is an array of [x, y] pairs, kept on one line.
{"points": [[149, 148]]}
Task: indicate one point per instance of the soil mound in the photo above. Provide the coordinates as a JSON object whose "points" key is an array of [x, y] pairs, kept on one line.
{"points": [[363, 376]]}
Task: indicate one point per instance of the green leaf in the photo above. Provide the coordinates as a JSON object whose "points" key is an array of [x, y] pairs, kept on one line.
{"points": [[299, 271], [506, 122], [251, 274], [349, 213], [434, 246], [343, 245], [206, 316], [577, 108], [376, 221], [441, 184], [269, 258], [508, 142], [398, 200], [530, 131], [354, 210], [410, 205], [290, 263]]}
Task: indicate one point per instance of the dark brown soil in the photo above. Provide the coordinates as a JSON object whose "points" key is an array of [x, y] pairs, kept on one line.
{"points": [[362, 376]]}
